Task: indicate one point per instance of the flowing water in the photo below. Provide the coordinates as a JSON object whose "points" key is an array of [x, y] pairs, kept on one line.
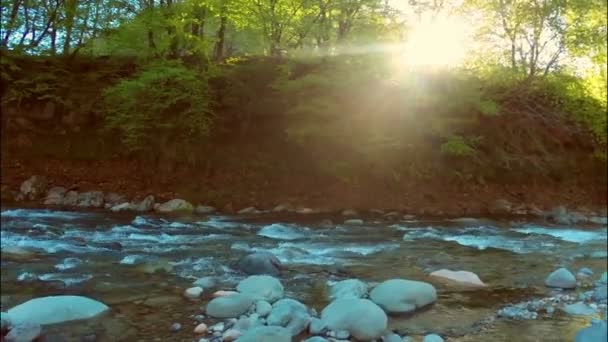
{"points": [[140, 264]]}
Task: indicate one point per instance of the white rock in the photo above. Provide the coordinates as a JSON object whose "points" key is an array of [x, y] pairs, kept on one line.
{"points": [[229, 306], [561, 278], [363, 319], [262, 308], [56, 309], [349, 288], [261, 287], [403, 296], [25, 331], [193, 292], [175, 205], [266, 334], [432, 338], [461, 277]]}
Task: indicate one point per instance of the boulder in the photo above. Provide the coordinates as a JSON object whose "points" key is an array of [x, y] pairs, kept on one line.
{"points": [[204, 210], [229, 306], [266, 334], [391, 338], [578, 309], [175, 205], [91, 199], [500, 207], [260, 263], [25, 331], [290, 314], [316, 339], [70, 199], [56, 309], [560, 215], [33, 188], [112, 199], [461, 277], [55, 195], [193, 293], [600, 294], [206, 282], [263, 308], [5, 321], [349, 212], [561, 278], [249, 211], [597, 332], [363, 319], [354, 222], [403, 296], [145, 205], [317, 327], [261, 287], [282, 208], [125, 206], [432, 338], [350, 288]]}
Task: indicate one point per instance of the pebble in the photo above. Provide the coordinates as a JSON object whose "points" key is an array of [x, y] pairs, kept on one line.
{"points": [[201, 328], [175, 327], [219, 327], [432, 338], [342, 334], [199, 318], [392, 338], [193, 292], [231, 335]]}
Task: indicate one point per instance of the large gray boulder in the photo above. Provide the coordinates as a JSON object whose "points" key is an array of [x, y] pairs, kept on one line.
{"points": [[33, 188], [229, 306], [363, 319], [260, 263], [290, 314], [111, 199], [349, 288], [261, 287], [561, 278], [56, 309], [403, 296], [266, 334], [597, 332], [23, 332], [55, 195], [70, 199], [91, 199], [146, 204], [175, 205], [578, 309]]}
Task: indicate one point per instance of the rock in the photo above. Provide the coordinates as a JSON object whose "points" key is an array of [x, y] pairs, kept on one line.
{"points": [[327, 224], [342, 334], [461, 277], [266, 334], [229, 306], [306, 211], [363, 319], [199, 318], [584, 272], [193, 293], [282, 208], [91, 199], [112, 199], [231, 335], [354, 222], [222, 293], [204, 210], [33, 188], [350, 288], [175, 327], [200, 329], [175, 205], [219, 327], [122, 207], [316, 339], [561, 278], [260, 263], [407, 339], [261, 287], [597, 332], [55, 195], [349, 212], [317, 327], [517, 313], [57, 309], [601, 220], [500, 207], [578, 309], [145, 205], [24, 331], [403, 296], [290, 314], [560, 215], [249, 211], [70, 199], [432, 338], [5, 321], [206, 282], [392, 338], [604, 278], [263, 308], [600, 294]]}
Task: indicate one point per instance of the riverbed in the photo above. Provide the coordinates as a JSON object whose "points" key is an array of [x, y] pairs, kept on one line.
{"points": [[140, 264]]}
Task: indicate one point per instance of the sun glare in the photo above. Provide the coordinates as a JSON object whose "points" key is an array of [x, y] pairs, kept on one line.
{"points": [[441, 42]]}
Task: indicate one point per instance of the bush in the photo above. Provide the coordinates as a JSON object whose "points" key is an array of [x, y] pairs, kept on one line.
{"points": [[165, 104], [458, 146]]}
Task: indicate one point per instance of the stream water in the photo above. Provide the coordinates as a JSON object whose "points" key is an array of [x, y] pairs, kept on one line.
{"points": [[140, 264]]}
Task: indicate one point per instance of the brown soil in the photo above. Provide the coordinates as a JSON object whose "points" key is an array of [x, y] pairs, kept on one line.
{"points": [[228, 188]]}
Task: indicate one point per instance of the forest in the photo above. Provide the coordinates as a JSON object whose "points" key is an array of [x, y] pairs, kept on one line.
{"points": [[481, 91]]}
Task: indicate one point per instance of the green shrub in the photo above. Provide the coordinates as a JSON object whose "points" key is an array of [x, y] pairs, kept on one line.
{"points": [[165, 104], [458, 146]]}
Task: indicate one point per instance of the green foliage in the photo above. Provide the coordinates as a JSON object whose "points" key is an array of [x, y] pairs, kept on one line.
{"points": [[458, 146], [165, 103]]}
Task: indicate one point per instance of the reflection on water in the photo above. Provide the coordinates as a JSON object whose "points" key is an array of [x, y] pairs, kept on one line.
{"points": [[139, 265]]}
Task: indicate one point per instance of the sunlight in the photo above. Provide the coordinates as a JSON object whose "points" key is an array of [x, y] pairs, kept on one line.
{"points": [[440, 42]]}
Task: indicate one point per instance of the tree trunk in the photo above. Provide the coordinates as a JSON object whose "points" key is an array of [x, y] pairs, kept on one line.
{"points": [[70, 13], [221, 32], [11, 21]]}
